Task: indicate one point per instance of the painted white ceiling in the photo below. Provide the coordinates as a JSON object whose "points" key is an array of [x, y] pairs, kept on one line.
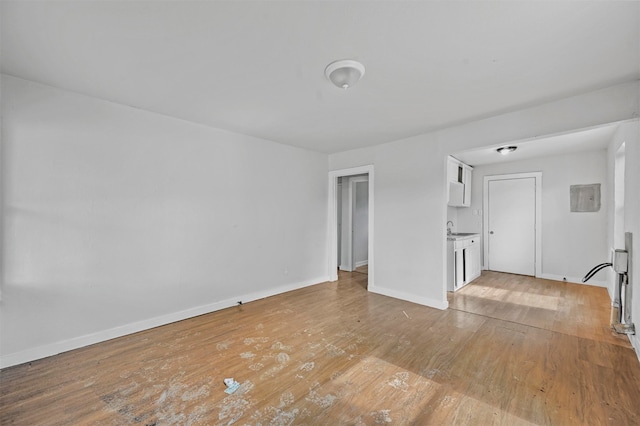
{"points": [[257, 68], [583, 140]]}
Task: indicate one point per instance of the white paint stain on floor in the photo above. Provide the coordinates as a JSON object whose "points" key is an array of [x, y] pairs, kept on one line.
{"points": [[234, 406], [308, 366], [314, 396], [381, 417], [282, 358], [334, 351], [399, 381], [253, 340], [278, 346], [287, 398]]}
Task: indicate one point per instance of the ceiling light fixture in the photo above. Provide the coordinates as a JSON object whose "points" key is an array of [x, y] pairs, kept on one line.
{"points": [[506, 149], [344, 73]]}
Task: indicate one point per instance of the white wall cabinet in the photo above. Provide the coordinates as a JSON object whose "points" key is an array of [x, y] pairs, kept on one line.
{"points": [[463, 261], [459, 181]]}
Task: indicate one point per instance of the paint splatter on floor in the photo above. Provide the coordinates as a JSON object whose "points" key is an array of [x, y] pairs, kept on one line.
{"points": [[334, 351], [282, 358], [253, 340], [447, 401], [314, 396], [308, 366], [399, 381], [381, 417], [286, 399], [234, 406], [223, 345], [278, 346]]}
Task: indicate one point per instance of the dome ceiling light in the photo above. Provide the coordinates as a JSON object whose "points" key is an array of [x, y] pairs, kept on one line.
{"points": [[506, 149], [344, 73]]}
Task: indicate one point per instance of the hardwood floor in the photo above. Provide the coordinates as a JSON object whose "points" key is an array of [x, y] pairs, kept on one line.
{"points": [[510, 351], [364, 269], [574, 309]]}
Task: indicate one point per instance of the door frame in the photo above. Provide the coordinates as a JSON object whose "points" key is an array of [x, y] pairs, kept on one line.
{"points": [[538, 216], [332, 239]]}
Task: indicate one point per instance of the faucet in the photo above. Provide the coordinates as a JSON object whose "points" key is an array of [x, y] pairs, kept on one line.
{"points": [[449, 227]]}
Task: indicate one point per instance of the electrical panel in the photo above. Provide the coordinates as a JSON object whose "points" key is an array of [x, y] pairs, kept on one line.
{"points": [[620, 261]]}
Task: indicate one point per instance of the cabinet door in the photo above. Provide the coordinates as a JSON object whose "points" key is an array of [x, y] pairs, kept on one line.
{"points": [[456, 194], [452, 170], [460, 268], [473, 255]]}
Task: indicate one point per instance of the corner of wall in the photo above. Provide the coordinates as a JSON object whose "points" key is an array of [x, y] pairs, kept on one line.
{"points": [[432, 303]]}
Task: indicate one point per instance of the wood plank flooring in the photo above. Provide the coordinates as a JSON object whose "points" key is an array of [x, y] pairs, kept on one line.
{"points": [[510, 351], [574, 309]]}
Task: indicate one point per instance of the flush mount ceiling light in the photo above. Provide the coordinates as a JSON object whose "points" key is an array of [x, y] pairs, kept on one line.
{"points": [[344, 73], [506, 149]]}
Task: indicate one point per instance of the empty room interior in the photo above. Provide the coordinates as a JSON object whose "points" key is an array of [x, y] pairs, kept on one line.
{"points": [[319, 213]]}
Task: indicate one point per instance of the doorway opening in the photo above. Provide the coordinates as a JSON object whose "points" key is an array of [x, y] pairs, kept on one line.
{"points": [[351, 237], [353, 217]]}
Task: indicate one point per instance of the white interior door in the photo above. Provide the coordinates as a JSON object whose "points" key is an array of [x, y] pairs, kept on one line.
{"points": [[512, 225]]}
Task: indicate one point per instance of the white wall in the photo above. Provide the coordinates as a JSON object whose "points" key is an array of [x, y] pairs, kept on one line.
{"points": [[117, 219], [452, 215], [572, 243], [629, 134], [407, 200], [410, 206]]}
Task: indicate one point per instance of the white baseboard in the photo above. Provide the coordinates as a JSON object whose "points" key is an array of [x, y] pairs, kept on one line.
{"points": [[51, 349], [362, 263], [432, 303], [575, 280]]}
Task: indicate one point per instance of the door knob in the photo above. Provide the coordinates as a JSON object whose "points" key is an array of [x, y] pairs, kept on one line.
{"points": [[491, 232]]}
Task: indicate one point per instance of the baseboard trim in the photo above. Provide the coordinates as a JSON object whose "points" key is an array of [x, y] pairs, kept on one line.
{"points": [[362, 263], [56, 348], [574, 280], [432, 303]]}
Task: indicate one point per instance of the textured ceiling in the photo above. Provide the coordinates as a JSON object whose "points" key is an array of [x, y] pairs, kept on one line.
{"points": [[257, 68]]}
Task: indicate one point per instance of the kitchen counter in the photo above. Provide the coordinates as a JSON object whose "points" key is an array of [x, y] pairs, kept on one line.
{"points": [[455, 236]]}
